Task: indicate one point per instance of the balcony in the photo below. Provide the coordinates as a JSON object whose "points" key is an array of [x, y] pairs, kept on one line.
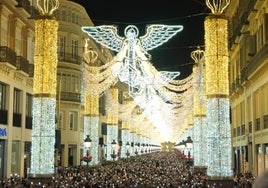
{"points": [[28, 8], [68, 96], [258, 59], [22, 64], [7, 55], [69, 58]]}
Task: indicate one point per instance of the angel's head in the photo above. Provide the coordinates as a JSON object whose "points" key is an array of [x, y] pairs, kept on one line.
{"points": [[131, 32]]}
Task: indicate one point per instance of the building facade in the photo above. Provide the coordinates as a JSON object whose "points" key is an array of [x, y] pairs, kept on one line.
{"points": [[16, 83], [248, 51]]}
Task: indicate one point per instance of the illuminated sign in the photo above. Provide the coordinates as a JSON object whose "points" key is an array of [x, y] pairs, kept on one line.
{"points": [[3, 132]]}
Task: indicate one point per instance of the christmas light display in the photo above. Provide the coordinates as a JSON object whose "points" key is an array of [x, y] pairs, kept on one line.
{"points": [[44, 90], [218, 127]]}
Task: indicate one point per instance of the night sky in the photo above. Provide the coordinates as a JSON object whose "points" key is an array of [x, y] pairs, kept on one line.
{"points": [[173, 55]]}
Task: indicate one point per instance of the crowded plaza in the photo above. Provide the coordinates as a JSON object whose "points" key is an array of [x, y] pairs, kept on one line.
{"points": [[163, 169]]}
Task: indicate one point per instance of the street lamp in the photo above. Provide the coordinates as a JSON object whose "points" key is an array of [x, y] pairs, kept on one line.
{"points": [[146, 148], [136, 148], [142, 148], [87, 144], [127, 146], [113, 154], [189, 145], [182, 146]]}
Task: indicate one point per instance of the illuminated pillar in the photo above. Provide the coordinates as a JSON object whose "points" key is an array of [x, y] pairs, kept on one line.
{"points": [[91, 112], [91, 126], [132, 141], [218, 130], [199, 114], [112, 119], [44, 90], [125, 138]]}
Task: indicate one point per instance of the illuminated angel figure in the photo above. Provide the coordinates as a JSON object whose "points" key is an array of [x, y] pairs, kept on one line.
{"points": [[132, 51]]}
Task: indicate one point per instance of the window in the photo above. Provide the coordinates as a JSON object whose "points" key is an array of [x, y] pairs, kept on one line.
{"points": [[18, 42], [234, 132], [250, 127], [74, 48], [72, 120], [4, 30], [265, 121], [61, 47], [29, 105], [243, 129], [17, 101], [64, 16], [3, 96], [3, 104], [258, 124], [74, 18], [238, 131]]}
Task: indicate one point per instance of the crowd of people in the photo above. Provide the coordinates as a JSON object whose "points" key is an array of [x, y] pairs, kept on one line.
{"points": [[154, 170]]}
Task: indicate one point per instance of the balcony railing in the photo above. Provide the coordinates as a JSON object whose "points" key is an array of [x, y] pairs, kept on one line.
{"points": [[22, 64], [68, 96], [7, 55], [258, 59], [70, 58], [31, 10]]}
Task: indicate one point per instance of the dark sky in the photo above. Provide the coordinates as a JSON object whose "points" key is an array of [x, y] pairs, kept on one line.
{"points": [[173, 55]]}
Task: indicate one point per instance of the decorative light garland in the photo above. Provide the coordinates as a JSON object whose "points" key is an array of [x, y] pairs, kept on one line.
{"points": [[218, 127], [44, 90]]}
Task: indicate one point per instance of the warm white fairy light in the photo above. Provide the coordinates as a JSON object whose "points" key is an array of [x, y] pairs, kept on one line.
{"points": [[94, 132], [112, 106], [217, 6], [44, 90], [47, 7], [125, 138], [218, 127], [43, 136], [132, 51], [199, 148], [163, 100], [112, 134]]}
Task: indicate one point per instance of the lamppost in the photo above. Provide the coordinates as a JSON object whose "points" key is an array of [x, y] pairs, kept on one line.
{"points": [[87, 144], [182, 146], [142, 148], [113, 154], [189, 145], [136, 148], [127, 146]]}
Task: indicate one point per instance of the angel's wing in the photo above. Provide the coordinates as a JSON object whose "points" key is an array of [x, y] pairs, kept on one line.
{"points": [[156, 35], [105, 35]]}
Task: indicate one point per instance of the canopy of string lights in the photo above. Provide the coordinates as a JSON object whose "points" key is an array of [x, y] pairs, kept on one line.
{"points": [[158, 105]]}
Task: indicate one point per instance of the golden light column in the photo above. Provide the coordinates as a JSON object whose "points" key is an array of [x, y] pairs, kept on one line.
{"points": [[218, 133], [91, 112], [44, 90]]}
